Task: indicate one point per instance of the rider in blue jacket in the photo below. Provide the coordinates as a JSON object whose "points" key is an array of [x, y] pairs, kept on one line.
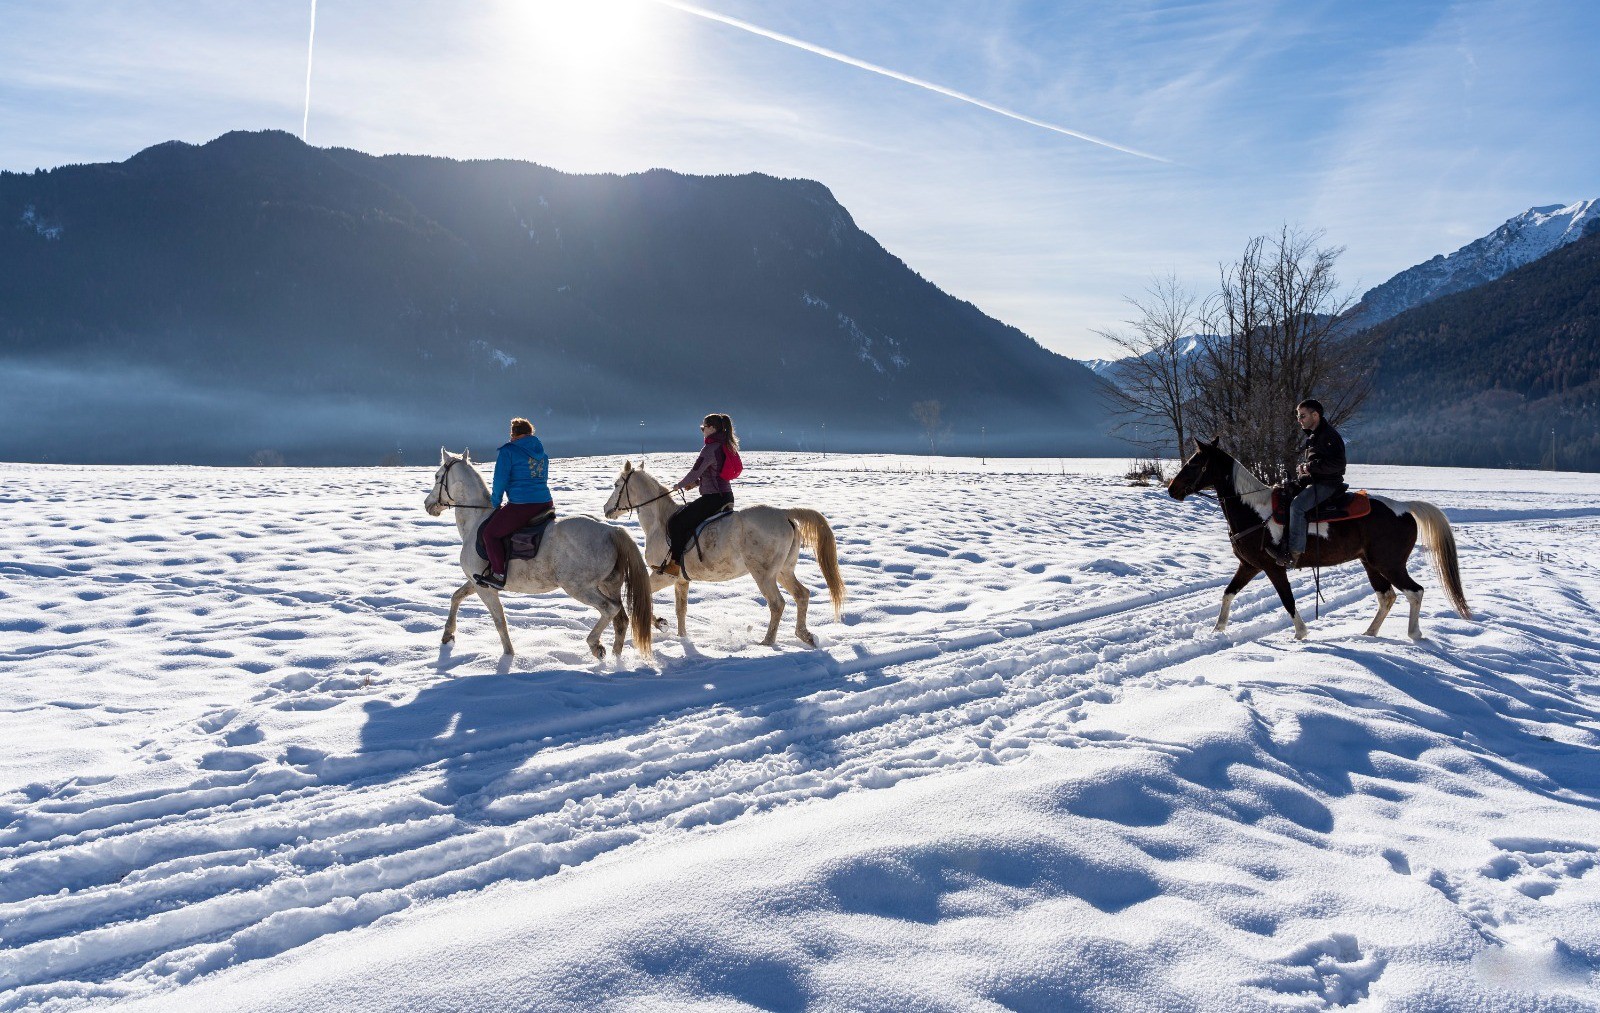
{"points": [[522, 479]]}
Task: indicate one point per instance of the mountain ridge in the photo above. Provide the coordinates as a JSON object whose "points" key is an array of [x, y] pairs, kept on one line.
{"points": [[326, 282], [1520, 240]]}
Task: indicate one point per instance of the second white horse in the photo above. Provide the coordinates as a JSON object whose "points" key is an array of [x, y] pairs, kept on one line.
{"points": [[762, 541]]}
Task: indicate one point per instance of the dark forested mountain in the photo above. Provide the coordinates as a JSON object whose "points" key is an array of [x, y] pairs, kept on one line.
{"points": [[197, 303], [1507, 373]]}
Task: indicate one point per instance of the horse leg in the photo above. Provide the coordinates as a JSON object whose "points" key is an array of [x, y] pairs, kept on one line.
{"points": [[1413, 592], [680, 598], [455, 606], [774, 597], [491, 601], [801, 598], [1242, 576], [1280, 580], [609, 609], [1386, 596], [619, 632]]}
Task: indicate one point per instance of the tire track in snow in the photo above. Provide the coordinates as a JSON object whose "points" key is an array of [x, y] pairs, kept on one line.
{"points": [[246, 865]]}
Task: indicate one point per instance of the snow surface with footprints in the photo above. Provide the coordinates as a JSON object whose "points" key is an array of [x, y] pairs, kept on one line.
{"points": [[1023, 773]]}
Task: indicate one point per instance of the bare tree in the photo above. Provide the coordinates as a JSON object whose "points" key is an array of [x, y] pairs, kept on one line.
{"points": [[1278, 340], [928, 415], [1151, 389]]}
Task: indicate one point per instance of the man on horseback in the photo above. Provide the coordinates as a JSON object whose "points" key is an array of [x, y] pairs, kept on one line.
{"points": [[521, 477], [1320, 475]]}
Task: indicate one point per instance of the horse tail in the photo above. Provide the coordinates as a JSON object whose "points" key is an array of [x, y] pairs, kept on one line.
{"points": [[1441, 543], [816, 535], [636, 577]]}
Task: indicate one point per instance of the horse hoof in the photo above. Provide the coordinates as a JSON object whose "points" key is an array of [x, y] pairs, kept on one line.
{"points": [[807, 639], [661, 625], [449, 638], [599, 652]]}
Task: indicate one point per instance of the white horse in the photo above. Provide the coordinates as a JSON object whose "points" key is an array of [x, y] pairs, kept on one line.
{"points": [[582, 556], [762, 541]]}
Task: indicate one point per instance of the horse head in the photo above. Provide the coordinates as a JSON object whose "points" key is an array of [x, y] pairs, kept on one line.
{"points": [[633, 488], [620, 494], [442, 494], [1205, 468]]}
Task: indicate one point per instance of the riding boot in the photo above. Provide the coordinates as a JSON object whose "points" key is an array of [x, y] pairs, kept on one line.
{"points": [[1282, 556], [497, 581], [669, 568]]}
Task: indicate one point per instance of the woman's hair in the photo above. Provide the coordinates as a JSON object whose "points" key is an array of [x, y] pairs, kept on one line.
{"points": [[724, 425], [521, 427]]}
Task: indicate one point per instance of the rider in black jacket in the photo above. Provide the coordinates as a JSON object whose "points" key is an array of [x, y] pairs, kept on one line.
{"points": [[1321, 476]]}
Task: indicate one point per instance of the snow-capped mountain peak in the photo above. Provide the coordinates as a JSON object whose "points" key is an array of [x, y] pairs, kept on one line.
{"points": [[1521, 240]]}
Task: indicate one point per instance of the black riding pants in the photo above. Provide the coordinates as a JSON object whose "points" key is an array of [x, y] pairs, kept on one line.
{"points": [[681, 525]]}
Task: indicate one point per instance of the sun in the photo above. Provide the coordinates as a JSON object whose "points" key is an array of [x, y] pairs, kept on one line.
{"points": [[584, 36]]}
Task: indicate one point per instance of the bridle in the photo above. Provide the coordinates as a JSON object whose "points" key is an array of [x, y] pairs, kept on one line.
{"points": [[630, 506], [441, 488]]}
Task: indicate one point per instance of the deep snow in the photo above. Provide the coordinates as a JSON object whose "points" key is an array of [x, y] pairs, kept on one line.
{"points": [[1023, 773]]}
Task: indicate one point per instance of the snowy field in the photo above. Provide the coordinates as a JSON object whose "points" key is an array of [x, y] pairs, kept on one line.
{"points": [[239, 771]]}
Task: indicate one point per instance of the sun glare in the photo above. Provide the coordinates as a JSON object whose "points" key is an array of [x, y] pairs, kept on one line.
{"points": [[584, 36]]}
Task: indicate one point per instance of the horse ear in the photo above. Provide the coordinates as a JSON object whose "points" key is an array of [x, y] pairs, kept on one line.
{"points": [[466, 455], [627, 466], [444, 455]]}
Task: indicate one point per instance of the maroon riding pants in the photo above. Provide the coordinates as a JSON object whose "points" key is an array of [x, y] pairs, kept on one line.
{"points": [[508, 519]]}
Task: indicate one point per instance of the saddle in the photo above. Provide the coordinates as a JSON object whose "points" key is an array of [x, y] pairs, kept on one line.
{"points": [[1345, 506], [694, 540], [523, 543]]}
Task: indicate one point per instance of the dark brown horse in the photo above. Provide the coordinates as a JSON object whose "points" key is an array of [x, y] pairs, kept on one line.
{"points": [[1382, 540]]}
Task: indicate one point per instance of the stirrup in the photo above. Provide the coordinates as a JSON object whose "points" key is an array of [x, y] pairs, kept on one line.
{"points": [[497, 581], [668, 568]]}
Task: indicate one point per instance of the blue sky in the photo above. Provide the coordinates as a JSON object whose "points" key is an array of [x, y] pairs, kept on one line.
{"points": [[1403, 129]]}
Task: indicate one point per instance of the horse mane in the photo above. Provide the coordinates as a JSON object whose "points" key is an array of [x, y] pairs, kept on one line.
{"points": [[476, 479], [660, 485], [1249, 488]]}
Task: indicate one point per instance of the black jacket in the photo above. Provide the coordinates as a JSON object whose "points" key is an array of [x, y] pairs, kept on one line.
{"points": [[1323, 454]]}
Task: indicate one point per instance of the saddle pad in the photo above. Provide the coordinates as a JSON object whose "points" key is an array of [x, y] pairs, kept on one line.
{"points": [[1346, 506], [523, 543], [726, 511]]}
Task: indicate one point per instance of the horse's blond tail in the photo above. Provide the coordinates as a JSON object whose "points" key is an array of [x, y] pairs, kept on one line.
{"points": [[816, 535], [1441, 542], [636, 578]]}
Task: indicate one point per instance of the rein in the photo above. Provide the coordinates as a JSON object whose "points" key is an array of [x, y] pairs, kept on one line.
{"points": [[631, 506], [1233, 536]]}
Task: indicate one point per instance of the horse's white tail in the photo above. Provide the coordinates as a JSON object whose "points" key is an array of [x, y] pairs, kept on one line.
{"points": [[636, 577], [817, 535], [1441, 542]]}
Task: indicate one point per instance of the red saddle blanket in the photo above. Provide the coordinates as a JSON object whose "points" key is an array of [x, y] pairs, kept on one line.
{"points": [[1343, 507]]}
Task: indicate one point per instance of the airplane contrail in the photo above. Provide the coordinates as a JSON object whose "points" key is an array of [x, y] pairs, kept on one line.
{"points": [[789, 40], [310, 45]]}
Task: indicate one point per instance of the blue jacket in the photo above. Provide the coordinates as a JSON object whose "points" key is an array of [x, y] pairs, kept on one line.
{"points": [[522, 472]]}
